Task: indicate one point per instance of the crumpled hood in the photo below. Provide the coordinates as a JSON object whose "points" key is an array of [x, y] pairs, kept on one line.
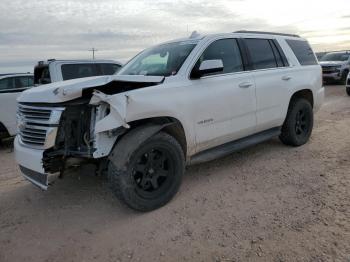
{"points": [[63, 91], [331, 63]]}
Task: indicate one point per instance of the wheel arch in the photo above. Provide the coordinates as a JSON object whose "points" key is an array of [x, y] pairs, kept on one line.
{"points": [[145, 128], [303, 93], [170, 125]]}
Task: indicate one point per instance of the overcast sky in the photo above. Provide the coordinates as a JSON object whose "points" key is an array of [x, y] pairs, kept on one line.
{"points": [[66, 29]]}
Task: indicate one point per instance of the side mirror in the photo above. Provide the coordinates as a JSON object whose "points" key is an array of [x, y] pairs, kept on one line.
{"points": [[209, 66]]}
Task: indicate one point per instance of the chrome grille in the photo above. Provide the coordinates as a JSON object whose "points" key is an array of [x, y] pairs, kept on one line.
{"points": [[33, 136], [329, 69], [37, 126], [36, 114]]}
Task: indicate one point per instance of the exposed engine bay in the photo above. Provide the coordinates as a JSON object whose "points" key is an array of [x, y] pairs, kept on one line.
{"points": [[88, 126]]}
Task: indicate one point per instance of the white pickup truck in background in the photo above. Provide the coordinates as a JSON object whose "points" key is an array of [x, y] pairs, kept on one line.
{"points": [[45, 72], [60, 70]]}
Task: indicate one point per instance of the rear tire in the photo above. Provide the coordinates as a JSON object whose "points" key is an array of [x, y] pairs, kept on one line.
{"points": [[151, 176], [297, 127], [348, 90]]}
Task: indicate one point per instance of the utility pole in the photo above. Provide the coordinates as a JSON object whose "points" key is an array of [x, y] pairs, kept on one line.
{"points": [[93, 50]]}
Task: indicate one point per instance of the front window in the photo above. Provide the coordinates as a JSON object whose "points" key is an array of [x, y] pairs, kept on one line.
{"points": [[227, 51], [335, 57], [162, 60]]}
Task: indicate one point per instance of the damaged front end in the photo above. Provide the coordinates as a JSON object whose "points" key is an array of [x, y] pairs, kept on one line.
{"points": [[89, 126], [74, 138]]}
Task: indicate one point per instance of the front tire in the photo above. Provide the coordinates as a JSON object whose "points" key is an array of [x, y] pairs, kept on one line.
{"points": [[348, 90], [151, 176], [297, 127]]}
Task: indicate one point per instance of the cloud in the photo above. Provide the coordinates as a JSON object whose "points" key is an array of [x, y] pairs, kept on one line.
{"points": [[37, 30]]}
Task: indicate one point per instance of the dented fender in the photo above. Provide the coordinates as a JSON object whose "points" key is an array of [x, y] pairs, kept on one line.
{"points": [[117, 116], [131, 141]]}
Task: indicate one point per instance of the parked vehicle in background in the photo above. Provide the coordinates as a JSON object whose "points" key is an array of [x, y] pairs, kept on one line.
{"points": [[348, 85], [60, 70], [179, 103], [335, 66], [11, 85], [319, 55]]}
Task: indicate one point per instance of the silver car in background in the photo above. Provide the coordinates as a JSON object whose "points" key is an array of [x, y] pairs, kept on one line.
{"points": [[335, 66]]}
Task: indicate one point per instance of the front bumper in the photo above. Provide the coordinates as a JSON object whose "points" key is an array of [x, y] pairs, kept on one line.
{"points": [[30, 163], [336, 76]]}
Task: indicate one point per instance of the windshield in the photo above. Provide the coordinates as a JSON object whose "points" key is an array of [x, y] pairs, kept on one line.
{"points": [[335, 57], [162, 60]]}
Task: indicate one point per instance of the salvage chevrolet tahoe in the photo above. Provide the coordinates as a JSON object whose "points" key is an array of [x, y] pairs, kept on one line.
{"points": [[176, 104]]}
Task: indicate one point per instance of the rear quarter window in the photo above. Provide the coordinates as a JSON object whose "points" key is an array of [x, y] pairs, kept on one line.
{"points": [[109, 69], [73, 71], [303, 52]]}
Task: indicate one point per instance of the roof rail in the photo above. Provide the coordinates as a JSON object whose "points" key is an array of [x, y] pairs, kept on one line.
{"points": [[265, 33]]}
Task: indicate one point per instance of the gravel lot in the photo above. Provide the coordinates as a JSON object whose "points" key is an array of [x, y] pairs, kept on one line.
{"points": [[267, 203]]}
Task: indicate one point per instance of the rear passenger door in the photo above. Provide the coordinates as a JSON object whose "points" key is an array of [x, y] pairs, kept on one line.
{"points": [[223, 102], [272, 76]]}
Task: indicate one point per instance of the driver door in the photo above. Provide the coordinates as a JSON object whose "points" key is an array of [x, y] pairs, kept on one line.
{"points": [[224, 102]]}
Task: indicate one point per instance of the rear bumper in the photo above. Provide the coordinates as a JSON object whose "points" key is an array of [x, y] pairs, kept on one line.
{"points": [[30, 163], [319, 99]]}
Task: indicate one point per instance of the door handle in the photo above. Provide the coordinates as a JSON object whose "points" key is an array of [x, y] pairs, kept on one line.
{"points": [[245, 85], [286, 78]]}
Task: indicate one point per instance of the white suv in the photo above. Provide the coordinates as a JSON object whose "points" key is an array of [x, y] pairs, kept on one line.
{"points": [[11, 85], [175, 104]]}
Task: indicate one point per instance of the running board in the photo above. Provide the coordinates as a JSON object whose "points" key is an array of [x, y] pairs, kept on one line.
{"points": [[230, 147]]}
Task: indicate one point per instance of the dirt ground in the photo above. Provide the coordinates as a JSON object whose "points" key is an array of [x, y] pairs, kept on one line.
{"points": [[267, 203]]}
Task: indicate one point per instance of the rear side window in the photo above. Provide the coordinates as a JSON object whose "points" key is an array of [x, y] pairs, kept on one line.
{"points": [[73, 71], [6, 83], [303, 52], [261, 54], [108, 69], [23, 81], [228, 51]]}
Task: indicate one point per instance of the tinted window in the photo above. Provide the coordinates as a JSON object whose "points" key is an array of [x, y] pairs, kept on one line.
{"points": [[228, 51], [30, 81], [16, 82], [261, 53], [6, 83], [73, 71], [108, 69], [23, 81], [42, 75], [303, 52]]}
